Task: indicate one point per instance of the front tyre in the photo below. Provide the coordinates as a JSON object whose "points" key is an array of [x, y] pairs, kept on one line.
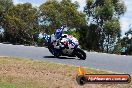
{"points": [[54, 51], [80, 53]]}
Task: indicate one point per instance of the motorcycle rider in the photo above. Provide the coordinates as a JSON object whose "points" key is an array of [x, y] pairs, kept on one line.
{"points": [[56, 38]]}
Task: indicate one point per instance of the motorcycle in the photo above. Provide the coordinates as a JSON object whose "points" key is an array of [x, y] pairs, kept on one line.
{"points": [[69, 46]]}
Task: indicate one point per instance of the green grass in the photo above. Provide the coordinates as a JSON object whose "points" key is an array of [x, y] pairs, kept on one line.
{"points": [[8, 85]]}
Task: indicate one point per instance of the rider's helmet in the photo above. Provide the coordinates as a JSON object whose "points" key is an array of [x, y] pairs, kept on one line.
{"points": [[58, 33]]}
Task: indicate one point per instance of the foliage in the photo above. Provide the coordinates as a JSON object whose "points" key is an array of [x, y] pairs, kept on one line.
{"points": [[62, 13], [117, 48], [127, 41], [5, 5], [89, 38], [21, 23], [105, 14]]}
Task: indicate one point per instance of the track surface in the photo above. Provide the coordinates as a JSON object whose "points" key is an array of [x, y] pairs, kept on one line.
{"points": [[115, 63]]}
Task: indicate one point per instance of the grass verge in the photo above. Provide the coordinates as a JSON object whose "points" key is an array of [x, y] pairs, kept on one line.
{"points": [[25, 73]]}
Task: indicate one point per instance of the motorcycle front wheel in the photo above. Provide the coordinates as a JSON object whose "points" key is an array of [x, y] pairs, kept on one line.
{"points": [[80, 53], [54, 51]]}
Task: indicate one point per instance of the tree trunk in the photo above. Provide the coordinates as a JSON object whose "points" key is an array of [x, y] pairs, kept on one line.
{"points": [[108, 44]]}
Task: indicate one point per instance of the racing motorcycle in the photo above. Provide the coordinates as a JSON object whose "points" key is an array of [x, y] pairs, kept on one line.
{"points": [[69, 46]]}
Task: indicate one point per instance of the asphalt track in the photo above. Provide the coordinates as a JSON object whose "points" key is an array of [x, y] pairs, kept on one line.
{"points": [[109, 62]]}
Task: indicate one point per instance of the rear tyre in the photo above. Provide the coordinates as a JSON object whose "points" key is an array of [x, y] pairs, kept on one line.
{"points": [[80, 53]]}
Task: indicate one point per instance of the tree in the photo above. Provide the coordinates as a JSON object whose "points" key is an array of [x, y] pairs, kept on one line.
{"points": [[117, 47], [105, 14], [61, 13], [89, 37], [21, 23], [127, 41], [5, 5], [124, 43], [112, 32]]}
